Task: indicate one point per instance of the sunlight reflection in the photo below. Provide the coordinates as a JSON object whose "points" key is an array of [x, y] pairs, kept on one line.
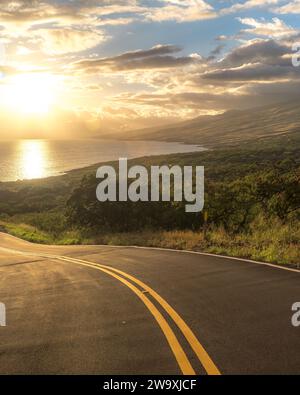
{"points": [[33, 159]]}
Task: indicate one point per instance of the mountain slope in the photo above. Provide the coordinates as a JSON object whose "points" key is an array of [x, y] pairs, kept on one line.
{"points": [[229, 128]]}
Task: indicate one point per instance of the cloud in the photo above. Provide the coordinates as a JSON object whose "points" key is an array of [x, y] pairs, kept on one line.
{"points": [[216, 51], [256, 51], [60, 41], [275, 29], [158, 57], [62, 26], [249, 4], [181, 11], [78, 11], [258, 60], [25, 11], [254, 72], [292, 7], [159, 81], [188, 88]]}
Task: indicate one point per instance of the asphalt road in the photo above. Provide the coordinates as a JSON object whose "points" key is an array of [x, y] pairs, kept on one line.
{"points": [[106, 310]]}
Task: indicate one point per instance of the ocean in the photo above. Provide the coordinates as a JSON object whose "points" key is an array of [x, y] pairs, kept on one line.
{"points": [[31, 159]]}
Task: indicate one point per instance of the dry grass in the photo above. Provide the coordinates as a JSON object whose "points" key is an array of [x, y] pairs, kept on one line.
{"points": [[268, 240]]}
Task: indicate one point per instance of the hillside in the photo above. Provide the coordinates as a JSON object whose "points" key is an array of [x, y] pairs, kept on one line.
{"points": [[229, 128]]}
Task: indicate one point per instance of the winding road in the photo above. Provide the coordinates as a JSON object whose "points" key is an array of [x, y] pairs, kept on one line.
{"points": [[127, 310]]}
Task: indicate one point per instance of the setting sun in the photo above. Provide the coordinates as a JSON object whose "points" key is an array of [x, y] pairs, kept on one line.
{"points": [[31, 93]]}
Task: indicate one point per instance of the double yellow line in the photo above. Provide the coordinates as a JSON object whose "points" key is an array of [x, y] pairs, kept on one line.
{"points": [[174, 344]]}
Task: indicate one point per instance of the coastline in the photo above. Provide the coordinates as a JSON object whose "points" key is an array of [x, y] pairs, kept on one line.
{"points": [[42, 159]]}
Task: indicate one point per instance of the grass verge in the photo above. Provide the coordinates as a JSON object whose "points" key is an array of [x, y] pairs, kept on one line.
{"points": [[267, 240]]}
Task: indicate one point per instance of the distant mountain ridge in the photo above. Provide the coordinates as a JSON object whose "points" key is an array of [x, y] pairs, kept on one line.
{"points": [[229, 128]]}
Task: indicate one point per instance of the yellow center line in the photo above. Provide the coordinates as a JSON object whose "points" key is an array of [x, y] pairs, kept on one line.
{"points": [[178, 351], [196, 346], [176, 348]]}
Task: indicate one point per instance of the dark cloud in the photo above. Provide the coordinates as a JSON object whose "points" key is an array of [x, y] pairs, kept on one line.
{"points": [[255, 72], [158, 50], [259, 51], [158, 57], [216, 52], [263, 60]]}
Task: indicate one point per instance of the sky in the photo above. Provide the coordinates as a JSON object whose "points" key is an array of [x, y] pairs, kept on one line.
{"points": [[68, 67]]}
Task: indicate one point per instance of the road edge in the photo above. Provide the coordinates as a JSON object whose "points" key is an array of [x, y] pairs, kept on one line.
{"points": [[273, 265]]}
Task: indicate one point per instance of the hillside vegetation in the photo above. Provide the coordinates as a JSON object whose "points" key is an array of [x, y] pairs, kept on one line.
{"points": [[252, 200], [228, 129]]}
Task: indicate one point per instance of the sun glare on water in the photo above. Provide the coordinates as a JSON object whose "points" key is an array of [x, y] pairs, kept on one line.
{"points": [[32, 159], [31, 93]]}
